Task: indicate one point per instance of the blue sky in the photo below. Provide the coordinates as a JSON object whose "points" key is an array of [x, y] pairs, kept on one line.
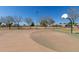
{"points": [[35, 12]]}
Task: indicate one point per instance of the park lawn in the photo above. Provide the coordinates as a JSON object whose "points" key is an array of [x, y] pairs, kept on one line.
{"points": [[67, 31]]}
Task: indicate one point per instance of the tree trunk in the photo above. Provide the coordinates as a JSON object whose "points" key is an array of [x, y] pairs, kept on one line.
{"points": [[9, 27], [71, 27], [18, 26]]}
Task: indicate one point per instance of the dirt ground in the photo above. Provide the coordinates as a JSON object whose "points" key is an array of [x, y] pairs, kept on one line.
{"points": [[19, 41], [37, 41]]}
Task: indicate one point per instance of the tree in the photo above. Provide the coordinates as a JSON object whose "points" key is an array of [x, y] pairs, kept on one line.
{"points": [[74, 24], [18, 19], [43, 22], [32, 24], [9, 20], [0, 22], [73, 14], [50, 21], [46, 21], [29, 22], [60, 23]]}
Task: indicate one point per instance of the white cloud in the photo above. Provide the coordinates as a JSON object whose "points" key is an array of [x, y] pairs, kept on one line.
{"points": [[64, 16]]}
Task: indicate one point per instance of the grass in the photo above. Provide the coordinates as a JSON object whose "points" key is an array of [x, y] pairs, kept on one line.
{"points": [[67, 31]]}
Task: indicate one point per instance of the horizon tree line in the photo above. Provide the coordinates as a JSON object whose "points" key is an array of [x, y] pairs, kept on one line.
{"points": [[15, 21]]}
